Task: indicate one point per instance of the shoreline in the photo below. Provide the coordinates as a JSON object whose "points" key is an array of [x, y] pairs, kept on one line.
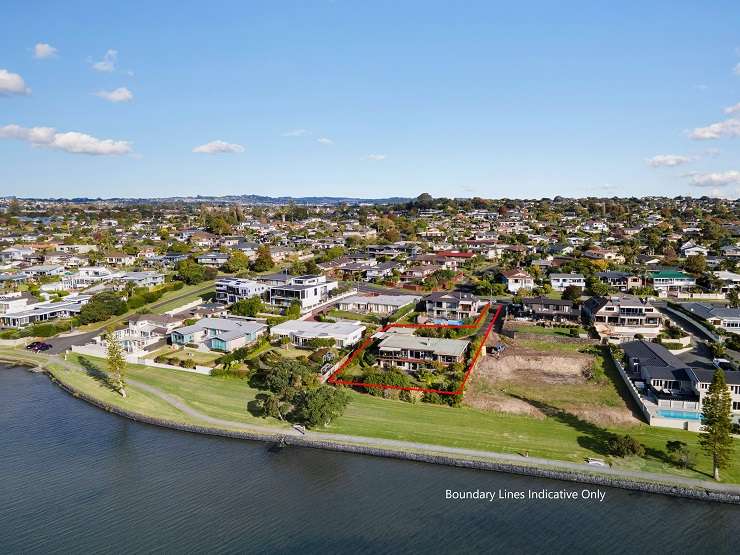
{"points": [[666, 487]]}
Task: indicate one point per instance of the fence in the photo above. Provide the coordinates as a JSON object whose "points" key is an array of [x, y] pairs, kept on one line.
{"points": [[631, 388]]}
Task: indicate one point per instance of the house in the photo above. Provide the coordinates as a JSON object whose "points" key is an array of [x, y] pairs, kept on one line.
{"points": [[603, 254], [219, 334], [44, 270], [44, 311], [517, 279], [453, 259], [142, 279], [730, 280], [690, 248], [309, 291], [77, 248], [15, 302], [213, 259], [621, 317], [412, 352], [622, 281], [143, 331], [85, 277], [231, 290], [452, 306], [671, 282], [301, 332], [544, 308], [560, 282], [383, 270], [730, 251], [673, 384], [376, 304], [722, 317], [120, 259], [418, 273], [278, 278]]}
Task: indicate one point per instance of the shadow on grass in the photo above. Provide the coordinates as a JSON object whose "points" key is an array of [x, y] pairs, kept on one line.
{"points": [[96, 373]]}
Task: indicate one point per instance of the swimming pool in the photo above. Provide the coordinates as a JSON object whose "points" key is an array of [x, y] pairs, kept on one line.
{"points": [[682, 414]]}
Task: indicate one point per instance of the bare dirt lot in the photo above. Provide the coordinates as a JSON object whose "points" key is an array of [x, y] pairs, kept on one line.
{"points": [[542, 376]]}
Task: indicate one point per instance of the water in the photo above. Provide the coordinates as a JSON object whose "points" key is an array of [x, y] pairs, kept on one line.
{"points": [[683, 415], [75, 479]]}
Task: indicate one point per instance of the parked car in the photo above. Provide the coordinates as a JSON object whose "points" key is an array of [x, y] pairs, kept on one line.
{"points": [[32, 346], [39, 347], [596, 462], [724, 364]]}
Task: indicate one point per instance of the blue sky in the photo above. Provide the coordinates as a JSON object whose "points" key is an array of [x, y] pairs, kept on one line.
{"points": [[370, 98]]}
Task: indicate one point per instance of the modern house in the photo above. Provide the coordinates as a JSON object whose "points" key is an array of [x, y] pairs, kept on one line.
{"points": [[621, 317], [309, 291], [673, 391], [516, 280], [544, 308], [722, 317], [219, 334], [560, 282], [452, 306], [301, 332], [44, 270], [44, 311], [377, 304], [730, 280], [622, 281], [412, 352], [231, 290], [144, 330]]}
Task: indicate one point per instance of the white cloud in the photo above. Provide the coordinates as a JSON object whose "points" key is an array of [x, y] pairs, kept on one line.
{"points": [[325, 141], [218, 147], [71, 141], [121, 94], [12, 83], [376, 157], [733, 109], [42, 51], [667, 160], [716, 179], [728, 128], [108, 63], [296, 133]]}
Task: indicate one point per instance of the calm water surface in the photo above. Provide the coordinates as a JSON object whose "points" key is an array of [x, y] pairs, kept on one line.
{"points": [[74, 479]]}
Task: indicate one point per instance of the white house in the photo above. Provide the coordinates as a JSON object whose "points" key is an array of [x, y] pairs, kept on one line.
{"points": [[231, 290], [517, 279], [309, 291], [300, 332], [376, 304], [559, 282]]}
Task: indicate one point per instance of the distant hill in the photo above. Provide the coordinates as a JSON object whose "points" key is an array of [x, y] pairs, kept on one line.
{"points": [[247, 199]]}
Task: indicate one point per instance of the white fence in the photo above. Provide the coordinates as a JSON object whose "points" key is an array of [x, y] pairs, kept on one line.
{"points": [[632, 389], [99, 351]]}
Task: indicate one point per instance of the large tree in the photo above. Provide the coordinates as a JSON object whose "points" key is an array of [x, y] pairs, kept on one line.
{"points": [[263, 262], [715, 437]]}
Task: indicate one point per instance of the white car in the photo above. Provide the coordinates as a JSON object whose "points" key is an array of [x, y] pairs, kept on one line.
{"points": [[596, 462]]}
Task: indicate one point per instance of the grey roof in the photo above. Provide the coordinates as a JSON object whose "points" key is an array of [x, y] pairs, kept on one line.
{"points": [[306, 328], [705, 375], [222, 325], [448, 347], [656, 361], [709, 311], [569, 276], [391, 300]]}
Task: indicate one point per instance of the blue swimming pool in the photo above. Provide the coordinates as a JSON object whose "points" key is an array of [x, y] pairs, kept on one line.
{"points": [[682, 414]]}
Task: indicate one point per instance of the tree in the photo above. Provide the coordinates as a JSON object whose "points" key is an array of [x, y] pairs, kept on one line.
{"points": [[116, 363], [263, 262], [248, 307], [696, 264], [734, 298], [238, 262], [318, 407], [597, 287], [101, 307], [572, 293], [293, 311], [190, 271], [680, 452], [715, 438]]}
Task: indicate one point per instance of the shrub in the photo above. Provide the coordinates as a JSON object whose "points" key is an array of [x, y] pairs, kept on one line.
{"points": [[626, 445]]}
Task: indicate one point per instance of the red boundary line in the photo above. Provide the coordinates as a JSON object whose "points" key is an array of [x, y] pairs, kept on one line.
{"points": [[365, 344]]}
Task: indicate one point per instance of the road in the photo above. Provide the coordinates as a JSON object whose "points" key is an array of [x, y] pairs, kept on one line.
{"points": [[61, 343]]}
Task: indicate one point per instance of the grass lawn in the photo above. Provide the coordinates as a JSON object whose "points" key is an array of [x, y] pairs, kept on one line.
{"points": [[561, 437], [544, 345], [200, 357], [541, 330], [352, 316], [174, 299]]}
